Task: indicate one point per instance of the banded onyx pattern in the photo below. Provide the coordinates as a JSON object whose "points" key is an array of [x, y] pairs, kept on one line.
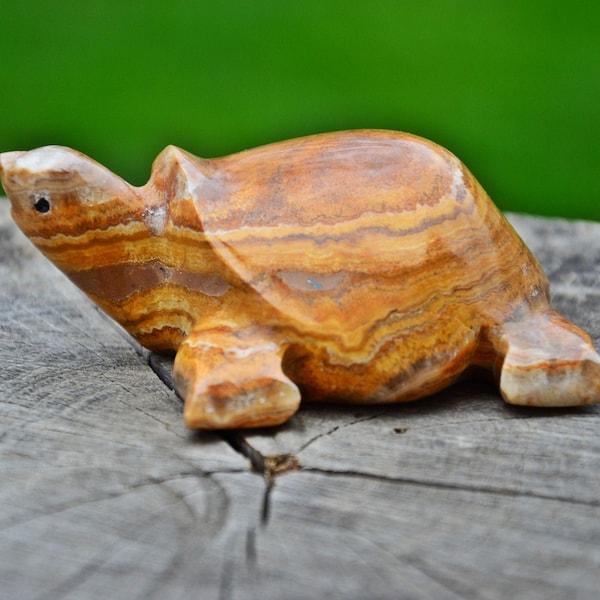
{"points": [[361, 266]]}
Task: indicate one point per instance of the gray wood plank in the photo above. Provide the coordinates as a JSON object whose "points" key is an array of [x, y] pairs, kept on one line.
{"points": [[104, 493]]}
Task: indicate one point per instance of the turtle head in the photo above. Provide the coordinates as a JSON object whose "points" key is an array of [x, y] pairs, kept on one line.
{"points": [[75, 211], [55, 190]]}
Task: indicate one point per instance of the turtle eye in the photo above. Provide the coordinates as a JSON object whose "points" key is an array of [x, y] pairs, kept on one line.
{"points": [[42, 205]]}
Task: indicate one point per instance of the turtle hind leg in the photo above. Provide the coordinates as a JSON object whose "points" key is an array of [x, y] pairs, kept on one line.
{"points": [[233, 379], [546, 361]]}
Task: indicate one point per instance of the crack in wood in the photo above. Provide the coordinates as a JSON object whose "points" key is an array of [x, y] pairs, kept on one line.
{"points": [[335, 428], [156, 363], [269, 466], [317, 437], [251, 557], [265, 512], [239, 443], [442, 485]]}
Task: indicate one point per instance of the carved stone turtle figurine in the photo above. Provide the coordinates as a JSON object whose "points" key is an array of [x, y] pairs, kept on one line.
{"points": [[361, 266]]}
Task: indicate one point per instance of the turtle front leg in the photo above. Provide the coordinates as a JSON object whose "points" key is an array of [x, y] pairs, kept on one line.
{"points": [[233, 378], [545, 360]]}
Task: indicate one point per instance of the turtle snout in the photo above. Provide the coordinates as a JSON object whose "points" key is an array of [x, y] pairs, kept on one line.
{"points": [[7, 162]]}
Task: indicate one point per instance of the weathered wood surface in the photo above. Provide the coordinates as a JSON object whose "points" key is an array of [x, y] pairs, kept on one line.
{"points": [[104, 493]]}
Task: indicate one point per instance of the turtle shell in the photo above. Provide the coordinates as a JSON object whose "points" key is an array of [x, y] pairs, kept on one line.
{"points": [[346, 234]]}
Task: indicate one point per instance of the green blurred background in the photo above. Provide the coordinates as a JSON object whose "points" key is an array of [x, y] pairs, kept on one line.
{"points": [[512, 87]]}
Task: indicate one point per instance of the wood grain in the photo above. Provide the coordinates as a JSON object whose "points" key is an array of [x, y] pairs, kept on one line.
{"points": [[105, 494]]}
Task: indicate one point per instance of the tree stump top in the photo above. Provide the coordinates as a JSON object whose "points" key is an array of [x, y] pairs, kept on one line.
{"points": [[105, 494]]}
